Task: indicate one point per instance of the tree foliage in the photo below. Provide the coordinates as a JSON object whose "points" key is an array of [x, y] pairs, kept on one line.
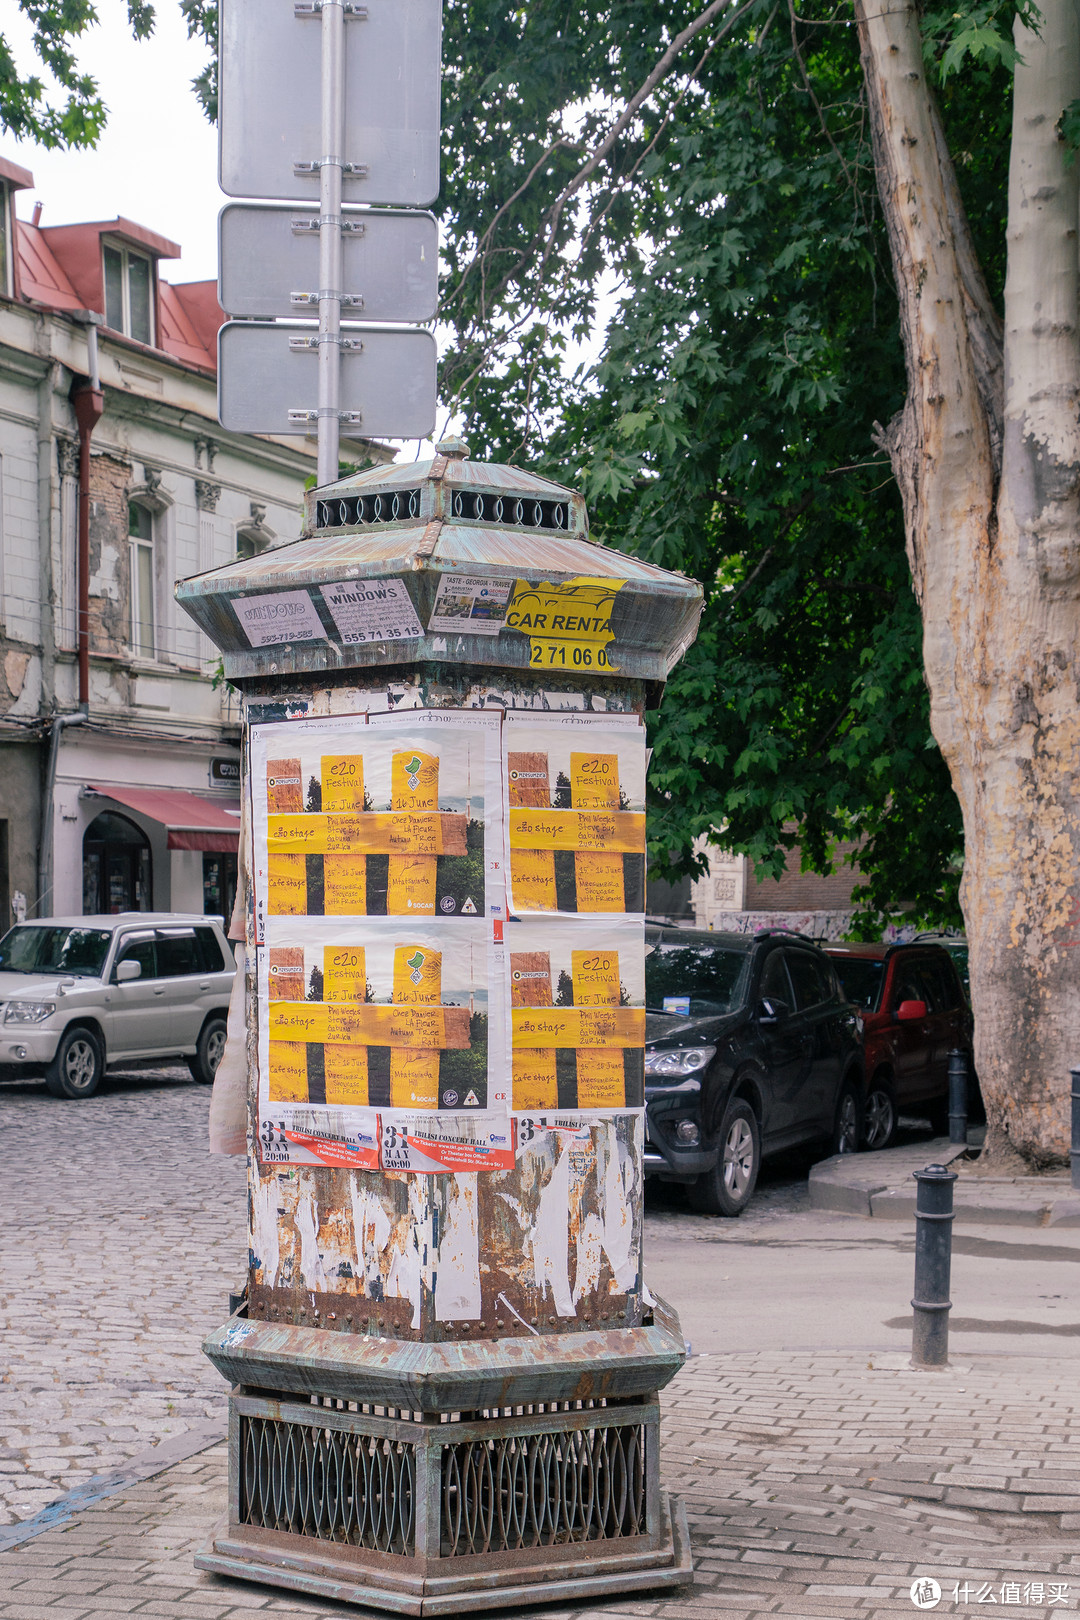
{"points": [[728, 427], [706, 172], [29, 108]]}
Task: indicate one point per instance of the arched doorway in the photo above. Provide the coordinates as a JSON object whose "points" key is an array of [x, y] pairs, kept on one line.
{"points": [[116, 867]]}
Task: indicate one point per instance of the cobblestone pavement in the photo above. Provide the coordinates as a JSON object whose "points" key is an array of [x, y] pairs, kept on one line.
{"points": [[121, 1240], [817, 1486]]}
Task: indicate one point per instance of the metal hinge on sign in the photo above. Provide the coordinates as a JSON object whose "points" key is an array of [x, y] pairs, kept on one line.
{"points": [[352, 300], [313, 8], [307, 170], [350, 418], [354, 227], [326, 337]]}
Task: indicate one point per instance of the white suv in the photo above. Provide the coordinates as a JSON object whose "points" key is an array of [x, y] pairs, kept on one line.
{"points": [[78, 993]]}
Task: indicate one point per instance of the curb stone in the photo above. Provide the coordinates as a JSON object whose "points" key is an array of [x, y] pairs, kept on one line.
{"points": [[880, 1186]]}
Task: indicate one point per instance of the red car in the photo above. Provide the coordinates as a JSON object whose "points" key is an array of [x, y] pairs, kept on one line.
{"points": [[914, 1014]]}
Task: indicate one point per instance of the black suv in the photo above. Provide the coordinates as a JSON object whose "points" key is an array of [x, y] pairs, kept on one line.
{"points": [[750, 1047]]}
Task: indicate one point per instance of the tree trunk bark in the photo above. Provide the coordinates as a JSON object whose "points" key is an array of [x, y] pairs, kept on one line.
{"points": [[996, 565]]}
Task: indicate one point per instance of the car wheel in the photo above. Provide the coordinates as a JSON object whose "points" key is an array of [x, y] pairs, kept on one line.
{"points": [[847, 1125], [209, 1052], [77, 1068], [879, 1116], [727, 1188]]}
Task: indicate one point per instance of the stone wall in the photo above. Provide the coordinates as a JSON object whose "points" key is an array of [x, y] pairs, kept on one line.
{"points": [[110, 555]]}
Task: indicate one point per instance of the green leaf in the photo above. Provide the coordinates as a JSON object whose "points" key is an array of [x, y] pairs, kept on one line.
{"points": [[1068, 126]]}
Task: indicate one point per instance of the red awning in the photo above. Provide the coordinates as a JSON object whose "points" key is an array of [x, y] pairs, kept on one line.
{"points": [[192, 823]]}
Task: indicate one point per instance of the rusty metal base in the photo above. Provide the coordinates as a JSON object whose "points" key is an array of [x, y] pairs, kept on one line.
{"points": [[575, 1571]]}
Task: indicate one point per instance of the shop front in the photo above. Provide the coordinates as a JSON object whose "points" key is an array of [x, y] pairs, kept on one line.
{"points": [[145, 828]]}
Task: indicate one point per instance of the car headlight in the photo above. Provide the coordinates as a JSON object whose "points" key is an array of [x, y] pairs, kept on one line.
{"points": [[679, 1060], [28, 1012]]}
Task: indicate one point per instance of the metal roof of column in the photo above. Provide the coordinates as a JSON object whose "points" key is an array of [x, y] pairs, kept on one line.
{"points": [[424, 522]]}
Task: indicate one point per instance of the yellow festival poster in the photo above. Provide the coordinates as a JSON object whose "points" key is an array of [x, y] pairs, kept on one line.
{"points": [[575, 813], [577, 1013], [396, 815]]}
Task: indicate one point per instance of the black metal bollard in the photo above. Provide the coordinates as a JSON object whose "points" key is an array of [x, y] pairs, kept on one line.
{"points": [[958, 1084], [933, 1264], [1074, 1152]]}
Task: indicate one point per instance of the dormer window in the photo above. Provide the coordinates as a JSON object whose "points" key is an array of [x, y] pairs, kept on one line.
{"points": [[129, 292]]}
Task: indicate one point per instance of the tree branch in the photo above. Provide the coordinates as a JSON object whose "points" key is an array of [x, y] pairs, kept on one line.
{"points": [[746, 584], [550, 222], [853, 585], [986, 332]]}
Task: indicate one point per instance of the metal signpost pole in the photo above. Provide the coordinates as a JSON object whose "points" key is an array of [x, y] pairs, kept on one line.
{"points": [[330, 258], [285, 125]]}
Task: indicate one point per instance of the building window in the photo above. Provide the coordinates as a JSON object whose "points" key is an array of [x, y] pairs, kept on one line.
{"points": [[129, 293], [116, 867], [254, 535], [141, 540], [219, 886]]}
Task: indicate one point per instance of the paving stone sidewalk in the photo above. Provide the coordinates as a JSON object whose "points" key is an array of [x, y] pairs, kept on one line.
{"points": [[817, 1485], [880, 1185], [121, 1240]]}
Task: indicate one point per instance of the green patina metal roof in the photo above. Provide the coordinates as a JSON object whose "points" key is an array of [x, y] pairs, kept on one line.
{"points": [[448, 520]]}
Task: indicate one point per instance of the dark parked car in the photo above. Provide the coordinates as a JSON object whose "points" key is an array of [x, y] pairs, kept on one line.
{"points": [[957, 947], [914, 1013], [750, 1048]]}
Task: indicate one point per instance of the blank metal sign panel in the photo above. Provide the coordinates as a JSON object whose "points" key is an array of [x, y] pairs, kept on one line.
{"points": [[270, 101], [389, 379], [268, 251]]}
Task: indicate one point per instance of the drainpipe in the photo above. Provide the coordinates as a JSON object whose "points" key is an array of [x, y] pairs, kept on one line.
{"points": [[89, 403], [45, 852]]}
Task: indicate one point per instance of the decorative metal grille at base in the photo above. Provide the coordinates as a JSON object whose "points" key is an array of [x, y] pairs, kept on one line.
{"points": [[536, 1490], [328, 1483], [498, 1481]]}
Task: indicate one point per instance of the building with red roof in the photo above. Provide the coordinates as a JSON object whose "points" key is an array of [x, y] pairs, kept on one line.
{"points": [[108, 405]]}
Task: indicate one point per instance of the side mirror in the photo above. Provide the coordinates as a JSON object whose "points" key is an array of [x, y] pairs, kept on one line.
{"points": [[909, 1011], [772, 1011], [126, 971]]}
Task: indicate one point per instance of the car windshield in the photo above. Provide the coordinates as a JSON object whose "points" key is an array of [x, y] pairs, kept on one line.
{"points": [[861, 979], [959, 954], [78, 951], [695, 981]]}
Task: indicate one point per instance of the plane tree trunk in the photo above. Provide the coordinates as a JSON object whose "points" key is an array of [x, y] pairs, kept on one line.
{"points": [[986, 452]]}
